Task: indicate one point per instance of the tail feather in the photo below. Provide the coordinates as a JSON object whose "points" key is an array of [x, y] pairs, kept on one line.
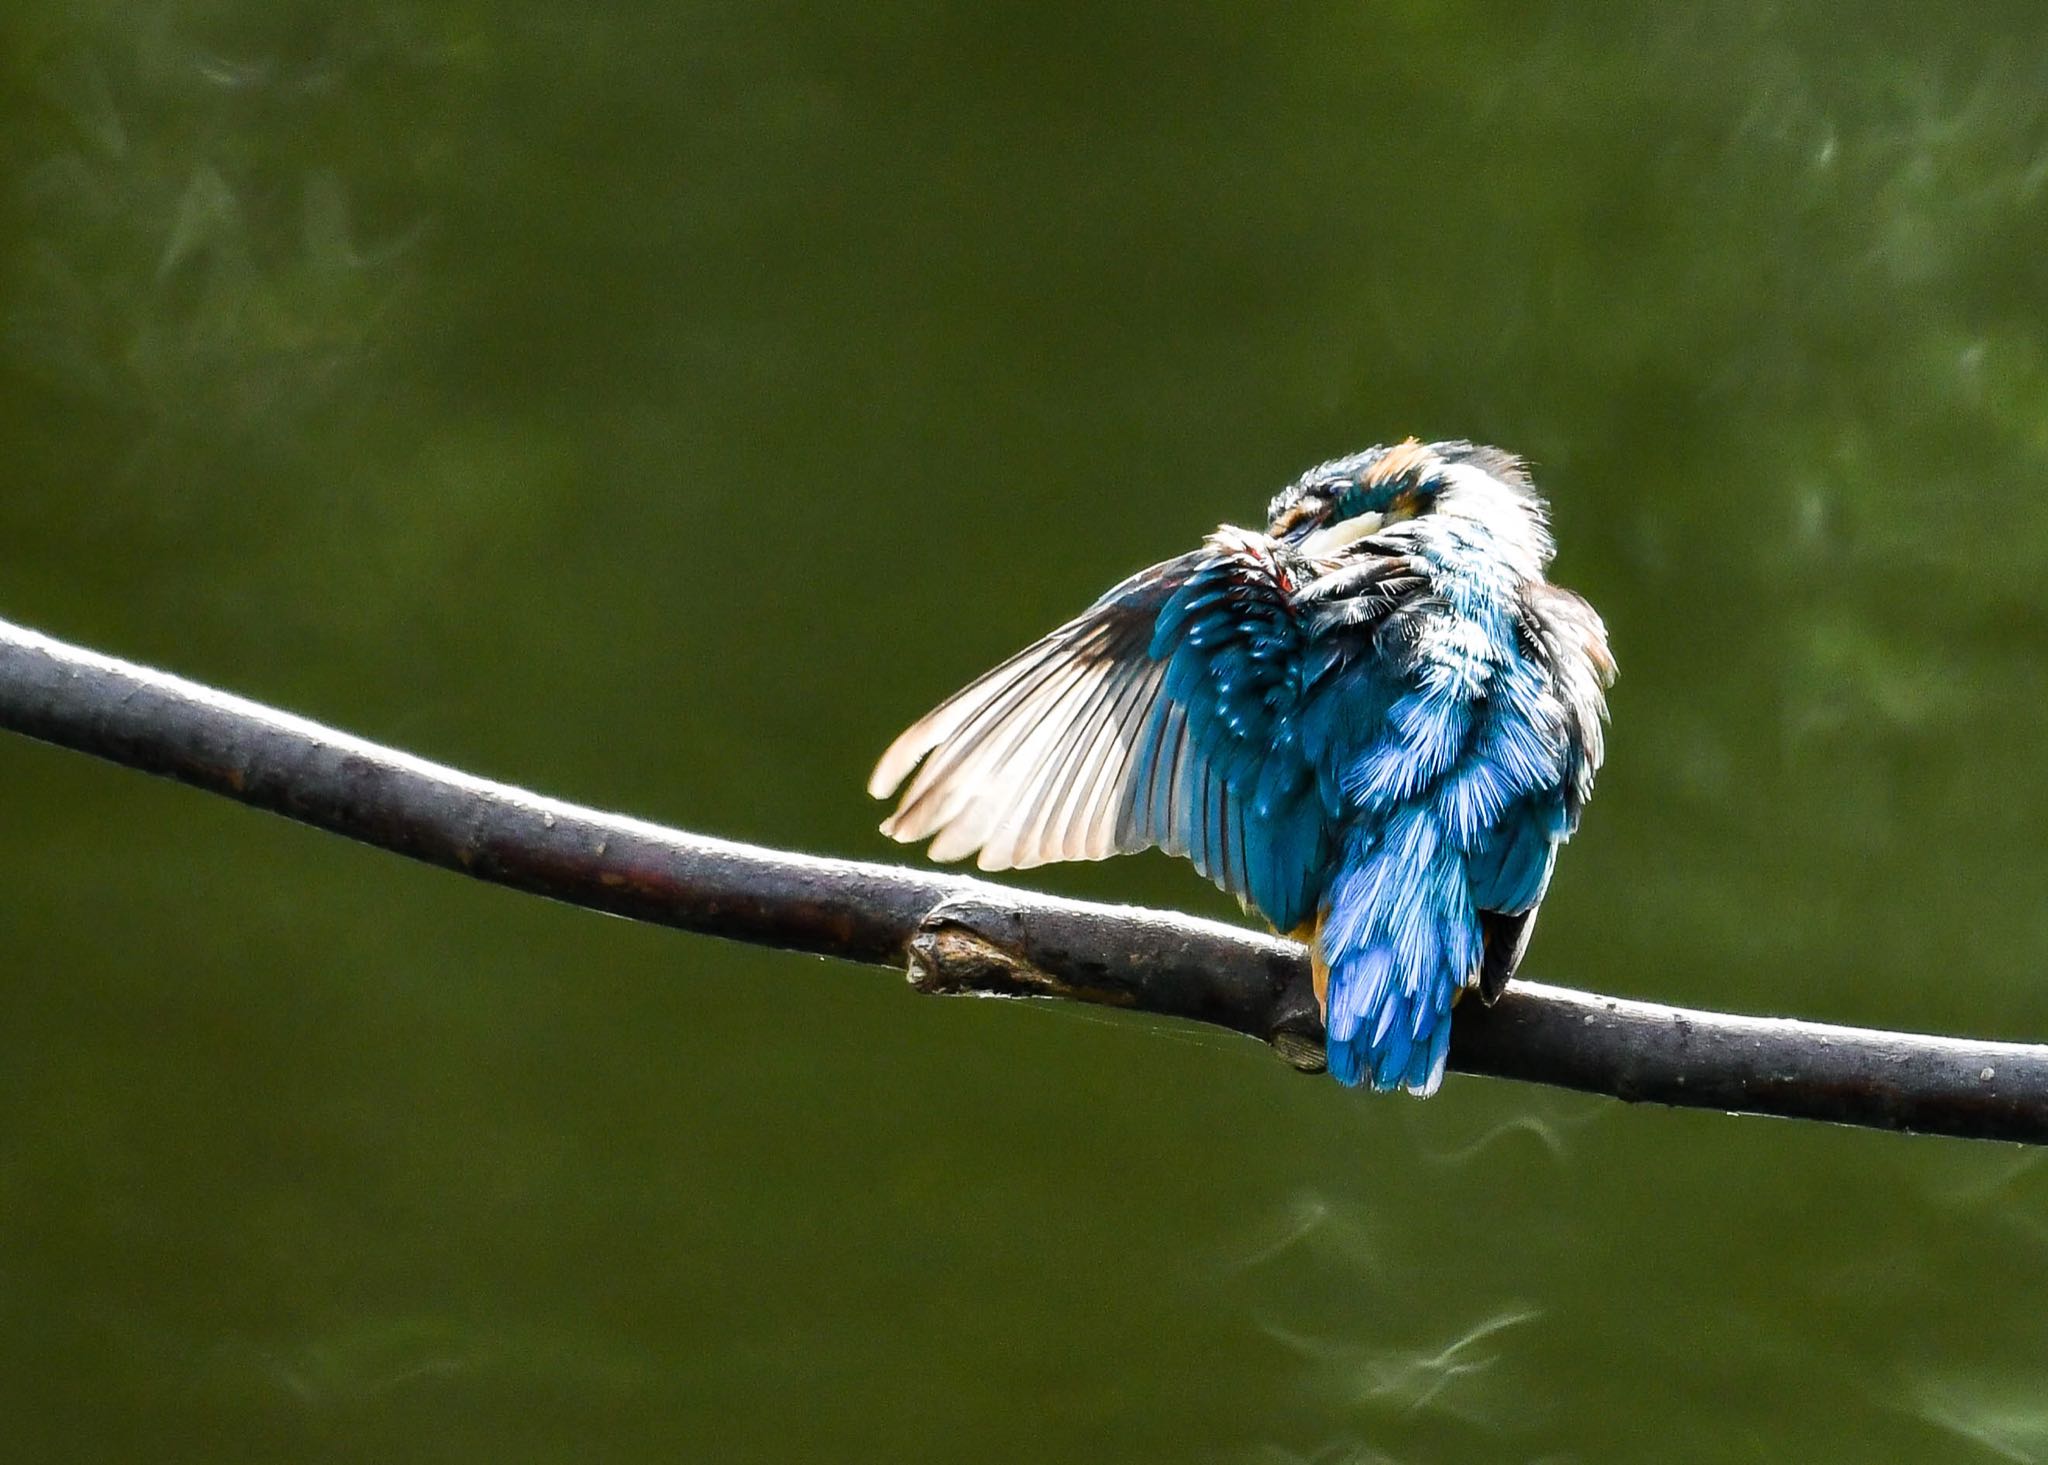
{"points": [[1390, 1062], [1401, 940], [1384, 1035]]}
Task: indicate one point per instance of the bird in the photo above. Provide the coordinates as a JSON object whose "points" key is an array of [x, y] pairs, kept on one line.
{"points": [[1374, 722]]}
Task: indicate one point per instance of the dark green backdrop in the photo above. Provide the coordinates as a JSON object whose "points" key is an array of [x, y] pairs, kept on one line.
{"points": [[660, 403]]}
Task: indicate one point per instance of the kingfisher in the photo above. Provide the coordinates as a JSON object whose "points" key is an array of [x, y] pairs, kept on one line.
{"points": [[1374, 723]]}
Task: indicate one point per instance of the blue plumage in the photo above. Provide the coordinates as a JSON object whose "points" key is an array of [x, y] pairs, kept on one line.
{"points": [[1374, 723]]}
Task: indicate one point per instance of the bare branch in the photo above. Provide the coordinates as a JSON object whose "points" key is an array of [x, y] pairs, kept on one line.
{"points": [[961, 935]]}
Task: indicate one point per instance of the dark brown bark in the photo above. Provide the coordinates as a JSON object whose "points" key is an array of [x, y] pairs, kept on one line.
{"points": [[961, 935]]}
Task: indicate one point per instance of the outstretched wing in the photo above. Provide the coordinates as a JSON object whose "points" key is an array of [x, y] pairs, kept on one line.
{"points": [[1162, 716]]}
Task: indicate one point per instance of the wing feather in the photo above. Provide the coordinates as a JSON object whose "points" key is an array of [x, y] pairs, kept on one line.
{"points": [[1090, 830], [955, 734], [1102, 742], [964, 798], [1565, 637], [1024, 789], [997, 790], [1158, 717]]}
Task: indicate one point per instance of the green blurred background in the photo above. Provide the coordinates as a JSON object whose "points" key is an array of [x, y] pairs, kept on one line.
{"points": [[658, 404]]}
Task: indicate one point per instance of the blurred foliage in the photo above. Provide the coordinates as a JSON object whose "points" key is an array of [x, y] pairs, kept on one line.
{"points": [[661, 402]]}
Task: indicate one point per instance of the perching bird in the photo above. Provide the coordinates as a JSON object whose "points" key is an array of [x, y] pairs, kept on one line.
{"points": [[1373, 723]]}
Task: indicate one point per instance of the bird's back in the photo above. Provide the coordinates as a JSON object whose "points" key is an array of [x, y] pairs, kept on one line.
{"points": [[1455, 800]]}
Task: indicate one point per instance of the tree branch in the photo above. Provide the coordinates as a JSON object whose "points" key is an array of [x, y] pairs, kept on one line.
{"points": [[961, 935]]}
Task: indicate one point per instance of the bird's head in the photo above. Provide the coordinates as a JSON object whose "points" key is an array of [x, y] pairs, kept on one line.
{"points": [[1339, 503]]}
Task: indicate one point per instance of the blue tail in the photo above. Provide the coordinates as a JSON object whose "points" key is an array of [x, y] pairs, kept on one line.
{"points": [[1401, 939]]}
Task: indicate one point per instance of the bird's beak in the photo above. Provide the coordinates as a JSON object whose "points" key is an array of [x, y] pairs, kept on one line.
{"points": [[1332, 539]]}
